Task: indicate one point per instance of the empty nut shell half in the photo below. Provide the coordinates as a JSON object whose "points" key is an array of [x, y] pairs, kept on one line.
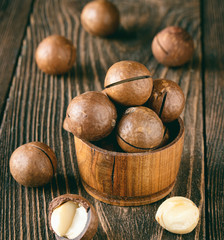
{"points": [[33, 164], [128, 83], [139, 130], [167, 99], [78, 220], [55, 55], [173, 46], [91, 116]]}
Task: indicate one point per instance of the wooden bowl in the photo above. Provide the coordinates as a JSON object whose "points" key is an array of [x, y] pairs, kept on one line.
{"points": [[130, 179]]}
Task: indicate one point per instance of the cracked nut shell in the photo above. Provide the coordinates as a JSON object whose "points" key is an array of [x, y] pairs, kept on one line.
{"points": [[173, 46], [92, 221], [33, 164], [91, 116], [55, 55], [167, 99], [128, 83], [139, 130], [100, 18]]}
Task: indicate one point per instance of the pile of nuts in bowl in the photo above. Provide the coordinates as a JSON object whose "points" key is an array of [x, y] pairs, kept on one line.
{"points": [[143, 108]]}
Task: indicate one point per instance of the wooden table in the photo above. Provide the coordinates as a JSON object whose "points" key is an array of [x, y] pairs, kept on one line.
{"points": [[33, 106]]}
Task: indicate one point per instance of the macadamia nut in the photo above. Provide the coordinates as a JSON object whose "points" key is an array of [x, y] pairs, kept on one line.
{"points": [[72, 217], [173, 46], [69, 220], [100, 18], [55, 55], [91, 116], [167, 99], [139, 130], [178, 215], [128, 83], [33, 164]]}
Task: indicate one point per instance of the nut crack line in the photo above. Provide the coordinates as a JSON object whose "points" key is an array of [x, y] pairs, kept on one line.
{"points": [[134, 145], [46, 155], [162, 105], [128, 80], [157, 40]]}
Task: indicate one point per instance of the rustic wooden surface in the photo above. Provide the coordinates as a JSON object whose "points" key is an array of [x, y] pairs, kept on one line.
{"points": [[33, 107]]}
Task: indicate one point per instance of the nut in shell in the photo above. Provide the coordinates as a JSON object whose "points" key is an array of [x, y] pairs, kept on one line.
{"points": [[178, 215], [173, 46], [72, 217], [91, 116], [139, 130], [33, 164], [55, 55], [167, 99], [100, 18], [128, 83]]}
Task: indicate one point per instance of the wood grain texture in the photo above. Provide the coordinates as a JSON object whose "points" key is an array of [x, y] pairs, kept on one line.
{"points": [[213, 52], [14, 16], [38, 103]]}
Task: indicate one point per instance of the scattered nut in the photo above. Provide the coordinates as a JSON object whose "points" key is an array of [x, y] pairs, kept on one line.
{"points": [[91, 116], [139, 130], [100, 18], [128, 83], [33, 164], [167, 99], [173, 46], [178, 215], [72, 217], [55, 55]]}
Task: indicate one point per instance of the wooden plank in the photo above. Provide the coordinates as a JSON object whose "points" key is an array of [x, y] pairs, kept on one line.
{"points": [[14, 17], [37, 106], [213, 51]]}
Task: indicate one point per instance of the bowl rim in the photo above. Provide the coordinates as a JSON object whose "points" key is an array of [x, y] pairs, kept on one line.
{"points": [[113, 153]]}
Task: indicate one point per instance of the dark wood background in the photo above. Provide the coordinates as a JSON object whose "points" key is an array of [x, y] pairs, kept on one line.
{"points": [[33, 106]]}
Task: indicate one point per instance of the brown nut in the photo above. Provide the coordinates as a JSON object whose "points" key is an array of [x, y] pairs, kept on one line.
{"points": [[139, 130], [100, 18], [173, 46], [55, 55], [128, 83], [167, 99], [72, 217], [33, 164], [91, 116]]}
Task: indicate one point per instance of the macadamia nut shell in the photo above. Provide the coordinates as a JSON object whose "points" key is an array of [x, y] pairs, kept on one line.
{"points": [[173, 46]]}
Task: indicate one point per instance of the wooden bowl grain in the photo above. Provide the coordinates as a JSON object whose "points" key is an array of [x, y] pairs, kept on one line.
{"points": [[130, 179]]}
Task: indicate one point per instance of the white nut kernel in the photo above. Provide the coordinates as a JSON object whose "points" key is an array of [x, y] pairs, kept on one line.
{"points": [[69, 220], [178, 215], [78, 223]]}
